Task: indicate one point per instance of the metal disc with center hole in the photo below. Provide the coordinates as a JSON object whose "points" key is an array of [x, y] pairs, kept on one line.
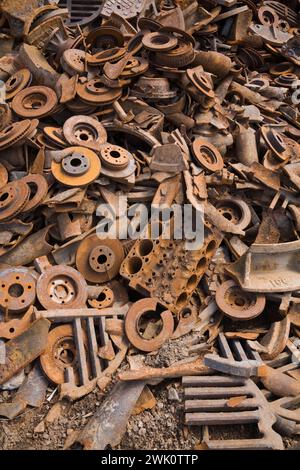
{"points": [[84, 131], [17, 82], [17, 290], [34, 102], [61, 287], [114, 157], [99, 260], [207, 155], [13, 198], [237, 303], [38, 187], [85, 163], [95, 92], [158, 41], [13, 133], [61, 353]]}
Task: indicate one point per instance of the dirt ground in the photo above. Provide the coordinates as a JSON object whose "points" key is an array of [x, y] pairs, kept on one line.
{"points": [[161, 427]]}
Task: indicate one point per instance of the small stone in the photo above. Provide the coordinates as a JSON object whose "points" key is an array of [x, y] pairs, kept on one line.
{"points": [[173, 394], [54, 413], [40, 427]]}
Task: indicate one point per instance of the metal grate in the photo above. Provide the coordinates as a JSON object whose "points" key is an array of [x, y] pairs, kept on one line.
{"points": [[81, 12]]}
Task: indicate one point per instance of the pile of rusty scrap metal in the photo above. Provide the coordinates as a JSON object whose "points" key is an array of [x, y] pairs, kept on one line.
{"points": [[168, 103]]}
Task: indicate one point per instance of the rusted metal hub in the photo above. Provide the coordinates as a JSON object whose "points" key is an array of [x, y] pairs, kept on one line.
{"points": [[153, 88], [201, 81], [73, 61], [95, 92], [13, 198], [84, 131], [114, 157], [238, 304], [34, 102], [207, 155], [79, 166], [105, 299], [17, 291], [235, 210], [99, 260], [17, 82], [132, 325], [158, 41], [275, 142], [38, 187], [104, 38], [61, 287], [60, 353], [287, 80], [14, 133]]}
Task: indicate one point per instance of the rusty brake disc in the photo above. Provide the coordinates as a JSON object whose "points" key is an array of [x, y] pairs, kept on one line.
{"points": [[105, 299], [17, 291], [73, 61], [132, 325], [38, 191], [114, 157], [14, 133], [275, 143], [61, 287], [235, 210], [207, 155], [34, 102], [56, 136], [79, 166], [99, 260], [104, 38], [3, 175], [17, 82], [158, 41], [84, 131], [13, 198], [237, 303], [60, 353], [94, 92]]}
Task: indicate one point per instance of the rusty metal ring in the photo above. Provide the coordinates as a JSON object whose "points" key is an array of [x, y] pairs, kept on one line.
{"points": [[159, 41], [73, 61], [34, 102], [267, 16], [60, 353], [84, 131], [38, 187], [134, 67], [286, 80], [95, 92], [105, 299], [17, 82], [110, 55], [89, 170], [201, 82], [13, 133], [283, 25], [13, 198], [207, 155], [136, 311], [282, 68], [61, 287], [275, 142], [181, 56], [17, 291], [55, 135], [99, 260], [235, 210], [105, 37], [114, 157], [237, 303]]}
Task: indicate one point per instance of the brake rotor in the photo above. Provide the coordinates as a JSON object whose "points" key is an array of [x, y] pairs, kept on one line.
{"points": [[73, 61], [17, 291], [114, 157], [275, 143], [134, 67], [3, 175], [99, 260], [104, 38], [110, 55], [201, 81], [132, 327], [13, 197], [55, 135], [158, 41], [235, 210], [95, 92], [34, 102], [237, 303], [61, 287], [79, 166], [105, 299], [207, 155], [60, 353], [84, 131], [13, 134], [17, 82], [38, 187]]}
